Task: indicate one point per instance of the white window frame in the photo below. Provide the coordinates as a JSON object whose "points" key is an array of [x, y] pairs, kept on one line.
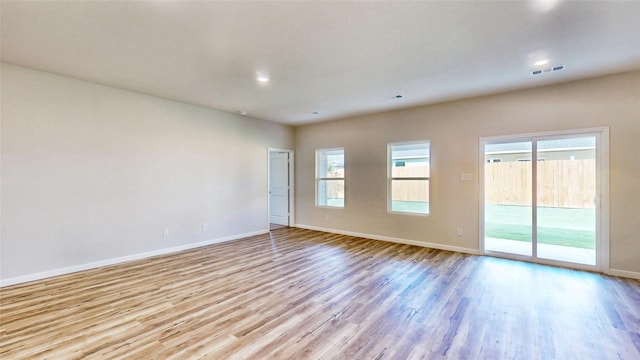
{"points": [[391, 178], [319, 178]]}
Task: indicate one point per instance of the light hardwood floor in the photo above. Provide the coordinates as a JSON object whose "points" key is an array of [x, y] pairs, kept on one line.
{"points": [[301, 294]]}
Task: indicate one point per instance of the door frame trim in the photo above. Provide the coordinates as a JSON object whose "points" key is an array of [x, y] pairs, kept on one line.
{"points": [[291, 191], [602, 206]]}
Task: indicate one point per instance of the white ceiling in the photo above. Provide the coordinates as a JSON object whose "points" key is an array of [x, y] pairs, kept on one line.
{"points": [[334, 58]]}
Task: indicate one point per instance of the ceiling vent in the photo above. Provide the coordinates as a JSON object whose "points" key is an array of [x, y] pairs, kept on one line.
{"points": [[548, 70]]}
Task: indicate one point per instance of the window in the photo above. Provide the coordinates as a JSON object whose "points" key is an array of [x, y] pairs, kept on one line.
{"points": [[330, 177], [408, 177]]}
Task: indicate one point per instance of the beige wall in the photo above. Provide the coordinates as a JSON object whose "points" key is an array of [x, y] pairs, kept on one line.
{"points": [[454, 130], [91, 172]]}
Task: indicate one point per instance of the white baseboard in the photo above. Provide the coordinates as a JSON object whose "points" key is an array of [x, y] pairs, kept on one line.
{"points": [[119, 260], [623, 273], [392, 239]]}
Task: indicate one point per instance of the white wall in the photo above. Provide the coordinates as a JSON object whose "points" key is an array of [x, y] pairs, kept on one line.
{"points": [[91, 173], [454, 130]]}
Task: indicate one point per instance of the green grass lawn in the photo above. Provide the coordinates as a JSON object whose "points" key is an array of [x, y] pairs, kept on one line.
{"points": [[411, 206], [335, 202], [402, 206], [556, 226]]}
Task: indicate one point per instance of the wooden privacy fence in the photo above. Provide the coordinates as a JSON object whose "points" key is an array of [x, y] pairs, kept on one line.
{"points": [[403, 190], [410, 190], [561, 183]]}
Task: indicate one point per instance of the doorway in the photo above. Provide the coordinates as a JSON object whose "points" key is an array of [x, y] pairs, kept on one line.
{"points": [[542, 197], [280, 180]]}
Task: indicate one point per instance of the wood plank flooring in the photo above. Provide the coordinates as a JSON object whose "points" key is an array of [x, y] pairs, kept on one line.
{"points": [[301, 294]]}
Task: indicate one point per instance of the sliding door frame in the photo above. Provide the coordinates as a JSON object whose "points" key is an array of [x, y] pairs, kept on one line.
{"points": [[602, 189]]}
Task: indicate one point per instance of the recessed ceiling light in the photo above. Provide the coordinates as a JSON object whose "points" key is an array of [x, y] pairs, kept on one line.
{"points": [[541, 62], [262, 78], [544, 5]]}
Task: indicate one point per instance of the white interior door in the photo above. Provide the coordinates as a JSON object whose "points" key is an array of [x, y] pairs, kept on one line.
{"points": [[279, 188]]}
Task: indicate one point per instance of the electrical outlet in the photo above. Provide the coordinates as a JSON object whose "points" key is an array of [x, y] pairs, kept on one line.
{"points": [[205, 227], [459, 232], [166, 233]]}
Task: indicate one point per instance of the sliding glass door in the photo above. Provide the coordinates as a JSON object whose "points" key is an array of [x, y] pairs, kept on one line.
{"points": [[566, 199], [540, 198], [508, 194]]}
